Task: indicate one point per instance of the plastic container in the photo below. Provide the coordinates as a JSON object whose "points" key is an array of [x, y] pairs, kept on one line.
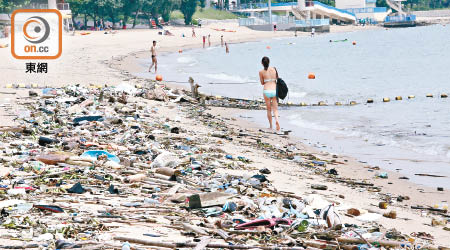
{"points": [[126, 246]]}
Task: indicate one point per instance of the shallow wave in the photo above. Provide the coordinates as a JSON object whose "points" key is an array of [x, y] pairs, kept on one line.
{"points": [[297, 94], [186, 60], [228, 78]]}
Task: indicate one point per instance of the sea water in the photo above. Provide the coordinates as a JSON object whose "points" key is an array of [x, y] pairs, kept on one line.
{"points": [[411, 136]]}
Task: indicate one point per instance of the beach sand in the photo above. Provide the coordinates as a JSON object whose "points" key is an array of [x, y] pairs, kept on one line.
{"points": [[111, 59]]}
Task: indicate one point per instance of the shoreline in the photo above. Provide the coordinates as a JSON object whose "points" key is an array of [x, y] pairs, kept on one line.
{"points": [[351, 169], [130, 63], [287, 175]]}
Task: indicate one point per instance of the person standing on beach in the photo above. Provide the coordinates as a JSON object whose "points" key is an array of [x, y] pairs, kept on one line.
{"points": [[193, 33], [313, 31], [221, 40], [204, 41], [209, 40], [268, 77], [154, 61], [227, 50]]}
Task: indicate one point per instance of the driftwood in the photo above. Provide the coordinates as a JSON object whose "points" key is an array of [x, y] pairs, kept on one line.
{"points": [[194, 229], [223, 234], [202, 244], [356, 183], [430, 209], [384, 243], [50, 175], [194, 88], [210, 245], [162, 177], [28, 246], [168, 171]]}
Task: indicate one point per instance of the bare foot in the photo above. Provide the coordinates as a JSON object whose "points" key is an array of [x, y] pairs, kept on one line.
{"points": [[278, 126]]}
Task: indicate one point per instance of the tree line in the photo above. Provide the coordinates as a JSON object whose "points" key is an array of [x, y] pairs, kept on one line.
{"points": [[116, 10], [130, 10]]}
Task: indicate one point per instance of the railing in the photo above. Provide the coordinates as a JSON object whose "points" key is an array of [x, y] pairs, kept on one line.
{"points": [[59, 6], [407, 18], [264, 5], [63, 6], [312, 22], [333, 8], [308, 4], [367, 10], [264, 19]]}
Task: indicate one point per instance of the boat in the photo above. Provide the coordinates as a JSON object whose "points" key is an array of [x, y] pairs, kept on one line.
{"points": [[400, 21]]}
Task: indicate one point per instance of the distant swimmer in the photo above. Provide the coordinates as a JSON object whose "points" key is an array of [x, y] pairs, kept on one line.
{"points": [[221, 40], [268, 77], [154, 61], [227, 50], [193, 33]]}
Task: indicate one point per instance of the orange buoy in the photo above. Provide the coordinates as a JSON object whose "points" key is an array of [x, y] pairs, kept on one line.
{"points": [[268, 47], [159, 78], [311, 76], [354, 43]]}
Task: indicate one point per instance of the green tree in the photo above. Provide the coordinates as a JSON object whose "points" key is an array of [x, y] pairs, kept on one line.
{"points": [[188, 8], [8, 6], [130, 7], [79, 7], [111, 8], [202, 4]]}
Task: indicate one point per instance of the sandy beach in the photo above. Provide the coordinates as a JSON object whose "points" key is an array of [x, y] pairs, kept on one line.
{"points": [[111, 59]]}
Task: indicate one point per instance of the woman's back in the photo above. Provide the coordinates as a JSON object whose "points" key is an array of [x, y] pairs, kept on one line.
{"points": [[270, 78]]}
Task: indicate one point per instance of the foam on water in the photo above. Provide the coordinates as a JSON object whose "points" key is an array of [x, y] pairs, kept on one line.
{"points": [[186, 60], [228, 78]]}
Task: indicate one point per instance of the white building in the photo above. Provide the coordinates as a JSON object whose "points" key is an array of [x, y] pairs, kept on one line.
{"points": [[350, 4], [363, 9]]}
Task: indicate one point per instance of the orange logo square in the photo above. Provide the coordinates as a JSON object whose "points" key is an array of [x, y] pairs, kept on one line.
{"points": [[36, 34]]}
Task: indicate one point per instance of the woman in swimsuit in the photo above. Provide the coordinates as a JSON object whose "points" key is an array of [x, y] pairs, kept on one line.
{"points": [[268, 77]]}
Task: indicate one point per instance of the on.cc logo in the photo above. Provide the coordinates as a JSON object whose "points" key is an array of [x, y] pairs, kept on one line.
{"points": [[36, 34], [36, 30]]}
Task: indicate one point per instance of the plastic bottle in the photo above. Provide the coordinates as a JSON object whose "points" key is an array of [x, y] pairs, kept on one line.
{"points": [[126, 246], [254, 182], [151, 201], [22, 207], [231, 191], [20, 191]]}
